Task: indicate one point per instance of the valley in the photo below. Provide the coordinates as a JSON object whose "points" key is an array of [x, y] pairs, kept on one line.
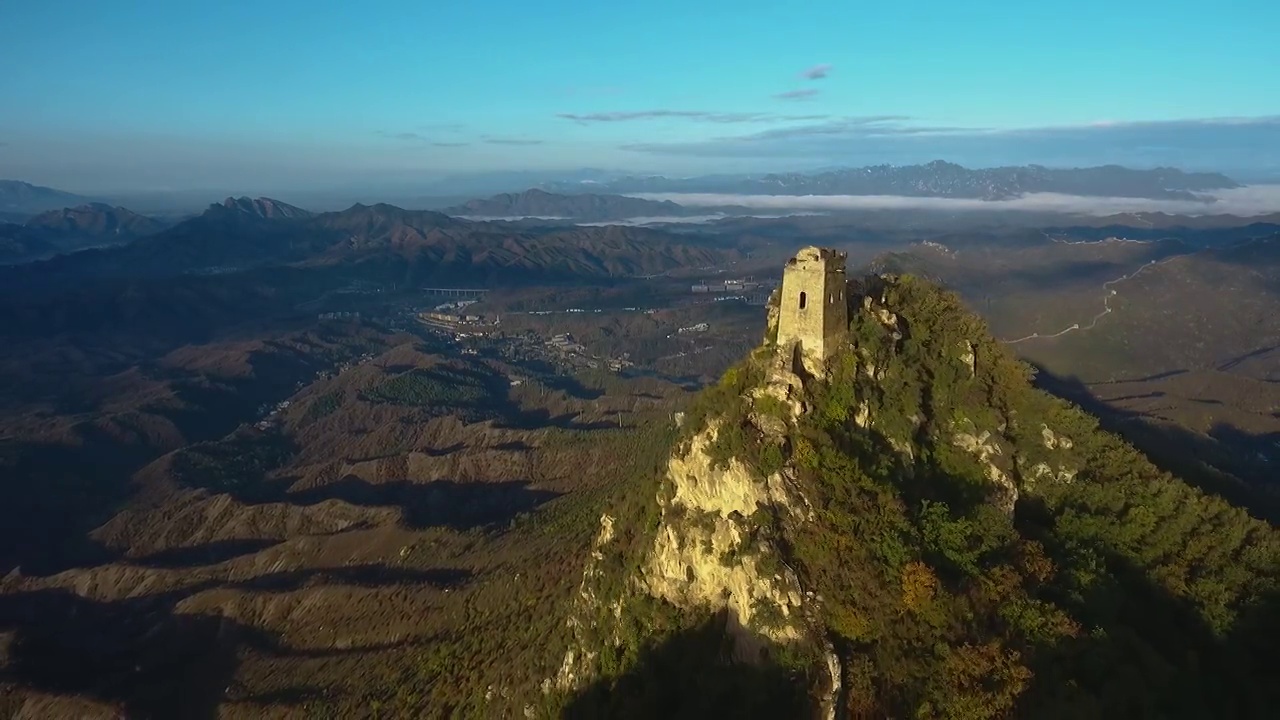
{"points": [[650, 361], [264, 459], [299, 479]]}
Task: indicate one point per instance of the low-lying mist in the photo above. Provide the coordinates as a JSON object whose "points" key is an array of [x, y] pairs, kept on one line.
{"points": [[1245, 201], [695, 219]]}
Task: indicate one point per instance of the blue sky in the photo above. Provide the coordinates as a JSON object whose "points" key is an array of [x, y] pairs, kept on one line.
{"points": [[146, 94]]}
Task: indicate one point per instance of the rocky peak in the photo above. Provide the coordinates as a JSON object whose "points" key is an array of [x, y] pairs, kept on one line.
{"points": [[883, 532], [264, 208]]}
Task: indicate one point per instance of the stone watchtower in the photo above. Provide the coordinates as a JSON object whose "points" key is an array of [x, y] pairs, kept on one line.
{"points": [[813, 313]]}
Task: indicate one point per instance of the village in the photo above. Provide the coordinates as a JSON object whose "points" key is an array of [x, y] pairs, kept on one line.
{"points": [[461, 322]]}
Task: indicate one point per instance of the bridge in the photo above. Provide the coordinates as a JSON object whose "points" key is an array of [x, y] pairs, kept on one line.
{"points": [[455, 292]]}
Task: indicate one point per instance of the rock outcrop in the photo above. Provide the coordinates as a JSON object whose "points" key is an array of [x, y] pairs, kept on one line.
{"points": [[857, 502], [716, 546]]}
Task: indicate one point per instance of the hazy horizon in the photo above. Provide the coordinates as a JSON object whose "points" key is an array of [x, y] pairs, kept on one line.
{"points": [[1254, 198], [174, 97], [428, 182], [1246, 201]]}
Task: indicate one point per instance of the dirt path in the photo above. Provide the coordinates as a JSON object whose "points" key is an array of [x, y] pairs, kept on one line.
{"points": [[1108, 292]]}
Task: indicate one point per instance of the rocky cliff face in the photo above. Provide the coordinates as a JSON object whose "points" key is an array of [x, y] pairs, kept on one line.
{"points": [[717, 543], [726, 504], [912, 531]]}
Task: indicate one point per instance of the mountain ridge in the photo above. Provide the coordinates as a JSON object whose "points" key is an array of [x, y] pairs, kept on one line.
{"points": [[96, 220], [935, 179], [879, 536], [198, 265], [23, 197], [245, 233], [262, 207], [68, 230], [591, 207]]}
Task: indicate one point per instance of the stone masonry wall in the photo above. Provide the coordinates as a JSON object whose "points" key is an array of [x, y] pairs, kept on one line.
{"points": [[813, 309]]}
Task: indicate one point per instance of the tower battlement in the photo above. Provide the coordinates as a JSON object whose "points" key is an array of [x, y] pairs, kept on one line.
{"points": [[813, 312]]}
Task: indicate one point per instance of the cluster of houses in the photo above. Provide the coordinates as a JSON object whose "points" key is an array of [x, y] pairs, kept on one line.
{"points": [[646, 311], [738, 286], [564, 342], [457, 305], [572, 349], [458, 325], [451, 318], [700, 327]]}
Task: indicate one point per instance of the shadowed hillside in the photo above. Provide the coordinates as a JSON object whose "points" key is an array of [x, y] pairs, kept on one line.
{"points": [[916, 531], [1172, 338]]}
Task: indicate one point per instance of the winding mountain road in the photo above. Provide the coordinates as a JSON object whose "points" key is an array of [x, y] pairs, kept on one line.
{"points": [[1108, 292]]}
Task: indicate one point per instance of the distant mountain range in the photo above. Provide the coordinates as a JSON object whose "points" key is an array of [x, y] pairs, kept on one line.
{"points": [[1159, 220], [96, 220], [936, 179], [239, 258], [71, 229], [588, 207], [383, 240], [19, 198]]}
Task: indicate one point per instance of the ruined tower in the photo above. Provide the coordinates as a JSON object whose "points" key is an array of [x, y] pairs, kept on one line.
{"points": [[812, 311]]}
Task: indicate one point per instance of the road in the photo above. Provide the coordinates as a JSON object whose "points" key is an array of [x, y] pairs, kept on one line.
{"points": [[1108, 292]]}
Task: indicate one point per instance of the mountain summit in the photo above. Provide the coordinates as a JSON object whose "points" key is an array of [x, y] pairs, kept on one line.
{"points": [[876, 514], [265, 208], [71, 229]]}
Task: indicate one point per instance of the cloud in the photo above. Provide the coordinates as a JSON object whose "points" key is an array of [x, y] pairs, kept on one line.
{"points": [[691, 219], [864, 126], [509, 218], [406, 136], [511, 141], [803, 94], [1219, 143], [697, 115], [420, 138], [1245, 201], [817, 72], [859, 125]]}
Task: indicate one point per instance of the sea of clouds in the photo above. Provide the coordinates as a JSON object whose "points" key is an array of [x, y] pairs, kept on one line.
{"points": [[1245, 201], [694, 219], [639, 221]]}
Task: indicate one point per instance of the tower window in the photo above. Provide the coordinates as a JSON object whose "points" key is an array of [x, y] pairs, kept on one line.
{"points": [[803, 300]]}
